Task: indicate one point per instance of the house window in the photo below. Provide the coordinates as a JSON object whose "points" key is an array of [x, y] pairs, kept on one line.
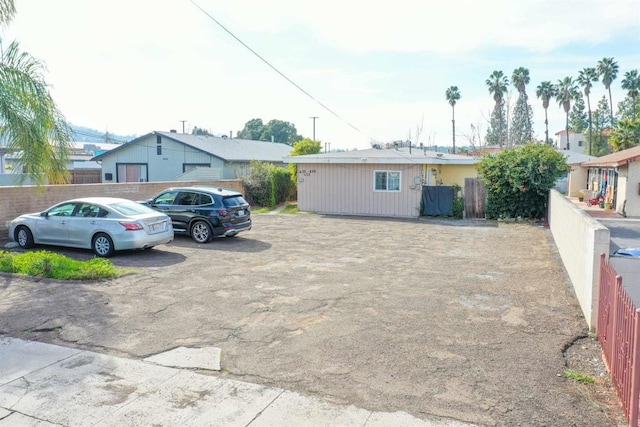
{"points": [[188, 167], [131, 172], [159, 145], [386, 180], [580, 143]]}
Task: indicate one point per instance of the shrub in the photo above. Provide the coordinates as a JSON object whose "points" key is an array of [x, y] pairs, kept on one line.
{"points": [[268, 185], [518, 180]]}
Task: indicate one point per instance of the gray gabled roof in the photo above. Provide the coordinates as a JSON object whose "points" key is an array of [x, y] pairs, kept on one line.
{"points": [[389, 156], [230, 150], [574, 158]]}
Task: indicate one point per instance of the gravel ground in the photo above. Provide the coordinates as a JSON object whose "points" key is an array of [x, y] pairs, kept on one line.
{"points": [[472, 321]]}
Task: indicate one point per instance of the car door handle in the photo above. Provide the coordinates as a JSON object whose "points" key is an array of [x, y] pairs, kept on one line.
{"points": [[63, 222], [93, 222]]}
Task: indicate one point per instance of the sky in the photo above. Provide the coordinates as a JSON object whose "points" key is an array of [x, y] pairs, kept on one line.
{"points": [[371, 72]]}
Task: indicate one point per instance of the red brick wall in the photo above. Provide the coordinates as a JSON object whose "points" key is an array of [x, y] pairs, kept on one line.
{"points": [[16, 200]]}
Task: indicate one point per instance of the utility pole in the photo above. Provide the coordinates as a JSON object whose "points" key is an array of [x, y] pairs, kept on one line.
{"points": [[182, 124], [314, 126]]}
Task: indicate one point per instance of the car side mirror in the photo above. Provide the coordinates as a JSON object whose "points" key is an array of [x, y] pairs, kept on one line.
{"points": [[44, 214]]}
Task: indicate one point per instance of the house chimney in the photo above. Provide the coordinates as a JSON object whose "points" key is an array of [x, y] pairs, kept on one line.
{"points": [[230, 134], [173, 131]]}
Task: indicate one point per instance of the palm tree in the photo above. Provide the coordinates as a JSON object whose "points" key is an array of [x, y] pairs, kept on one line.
{"points": [[497, 83], [567, 90], [7, 10], [631, 83], [30, 121], [585, 77], [625, 135], [546, 91], [453, 95], [608, 71]]}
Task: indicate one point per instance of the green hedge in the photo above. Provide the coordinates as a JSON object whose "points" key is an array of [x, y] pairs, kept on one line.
{"points": [[268, 185]]}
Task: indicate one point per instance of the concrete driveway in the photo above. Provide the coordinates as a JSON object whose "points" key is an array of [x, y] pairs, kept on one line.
{"points": [[451, 319]]}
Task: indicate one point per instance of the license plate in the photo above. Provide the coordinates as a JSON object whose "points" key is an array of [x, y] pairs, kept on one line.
{"points": [[242, 213], [156, 227]]}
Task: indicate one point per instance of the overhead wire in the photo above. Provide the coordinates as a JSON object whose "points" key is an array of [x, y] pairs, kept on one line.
{"points": [[297, 86]]}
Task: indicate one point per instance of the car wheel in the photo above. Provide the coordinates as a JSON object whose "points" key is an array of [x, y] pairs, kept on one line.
{"points": [[201, 232], [24, 237], [102, 245]]}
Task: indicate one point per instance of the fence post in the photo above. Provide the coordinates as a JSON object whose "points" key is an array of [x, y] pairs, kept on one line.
{"points": [[635, 372], [613, 304]]}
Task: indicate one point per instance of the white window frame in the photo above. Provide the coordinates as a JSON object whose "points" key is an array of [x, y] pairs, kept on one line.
{"points": [[386, 189]]}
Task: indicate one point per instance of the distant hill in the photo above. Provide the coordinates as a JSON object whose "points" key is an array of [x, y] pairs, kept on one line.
{"points": [[85, 134]]}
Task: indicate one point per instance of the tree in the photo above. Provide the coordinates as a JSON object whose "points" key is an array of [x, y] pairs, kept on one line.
{"points": [[631, 83], [30, 121], [497, 84], [578, 117], [301, 148], [628, 107], [521, 124], [200, 131], [453, 96], [281, 132], [276, 131], [601, 124], [625, 135], [607, 70], [518, 181], [585, 79], [252, 130], [7, 11], [567, 91], [546, 91]]}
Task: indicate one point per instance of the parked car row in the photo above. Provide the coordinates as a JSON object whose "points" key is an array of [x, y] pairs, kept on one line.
{"points": [[109, 224]]}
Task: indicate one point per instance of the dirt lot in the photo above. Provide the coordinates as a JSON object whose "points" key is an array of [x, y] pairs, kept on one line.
{"points": [[468, 321]]}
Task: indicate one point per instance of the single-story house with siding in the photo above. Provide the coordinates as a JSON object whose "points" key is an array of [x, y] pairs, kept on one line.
{"points": [[172, 156], [376, 182]]}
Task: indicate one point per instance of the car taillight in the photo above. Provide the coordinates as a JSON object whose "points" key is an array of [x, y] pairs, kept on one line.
{"points": [[131, 226], [223, 212]]}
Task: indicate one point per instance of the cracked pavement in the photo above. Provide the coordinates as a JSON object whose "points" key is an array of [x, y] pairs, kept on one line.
{"points": [[451, 319]]}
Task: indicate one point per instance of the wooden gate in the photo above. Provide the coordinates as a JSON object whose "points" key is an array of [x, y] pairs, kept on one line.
{"points": [[475, 196]]}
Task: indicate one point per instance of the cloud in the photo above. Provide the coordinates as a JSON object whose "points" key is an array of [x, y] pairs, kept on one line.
{"points": [[452, 26]]}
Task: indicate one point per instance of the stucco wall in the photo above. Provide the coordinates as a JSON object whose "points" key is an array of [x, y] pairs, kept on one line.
{"points": [[580, 240], [455, 174], [26, 199], [633, 190], [577, 180]]}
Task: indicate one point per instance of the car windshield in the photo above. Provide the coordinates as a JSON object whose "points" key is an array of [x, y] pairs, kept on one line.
{"points": [[130, 208], [234, 201]]}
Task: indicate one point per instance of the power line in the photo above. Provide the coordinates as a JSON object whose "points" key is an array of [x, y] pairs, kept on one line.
{"points": [[278, 71]]}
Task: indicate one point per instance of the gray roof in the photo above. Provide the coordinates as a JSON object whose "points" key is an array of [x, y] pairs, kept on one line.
{"points": [[574, 158], [230, 150], [389, 156]]}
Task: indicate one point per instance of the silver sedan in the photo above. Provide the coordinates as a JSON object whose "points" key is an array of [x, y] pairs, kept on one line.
{"points": [[103, 224]]}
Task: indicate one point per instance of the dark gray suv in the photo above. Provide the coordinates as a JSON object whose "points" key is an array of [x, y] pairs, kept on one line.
{"points": [[204, 212]]}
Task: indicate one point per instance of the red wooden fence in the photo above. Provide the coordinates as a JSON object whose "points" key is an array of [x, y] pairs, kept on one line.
{"points": [[619, 335]]}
